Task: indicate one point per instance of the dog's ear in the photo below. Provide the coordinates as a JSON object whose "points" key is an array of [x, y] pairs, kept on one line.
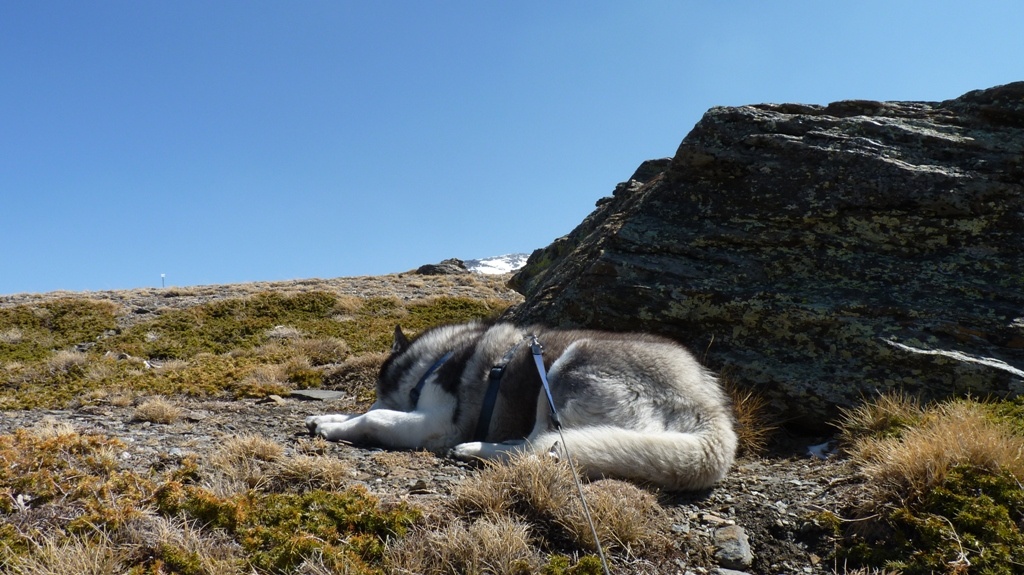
{"points": [[401, 342]]}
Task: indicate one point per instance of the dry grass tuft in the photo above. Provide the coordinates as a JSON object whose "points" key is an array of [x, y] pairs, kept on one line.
{"points": [[889, 415], [50, 428], [12, 335], [498, 545], [182, 544], [357, 376], [322, 351], [158, 410], [960, 433], [52, 555], [254, 462], [541, 491], [625, 516], [244, 447], [312, 445], [285, 332], [753, 425], [66, 361], [245, 460], [306, 472], [537, 488]]}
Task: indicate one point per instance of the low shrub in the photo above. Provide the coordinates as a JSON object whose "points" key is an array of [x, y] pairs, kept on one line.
{"points": [[943, 489]]}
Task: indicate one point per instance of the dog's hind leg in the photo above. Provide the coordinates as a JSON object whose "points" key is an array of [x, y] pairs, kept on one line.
{"points": [[484, 450]]}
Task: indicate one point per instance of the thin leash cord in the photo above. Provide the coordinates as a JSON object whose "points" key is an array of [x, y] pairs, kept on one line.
{"points": [[538, 351]]}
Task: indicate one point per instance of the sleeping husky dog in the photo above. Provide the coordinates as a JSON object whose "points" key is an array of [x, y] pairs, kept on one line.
{"points": [[632, 406]]}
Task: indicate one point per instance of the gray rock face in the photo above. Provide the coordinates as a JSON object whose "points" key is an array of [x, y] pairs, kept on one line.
{"points": [[817, 253]]}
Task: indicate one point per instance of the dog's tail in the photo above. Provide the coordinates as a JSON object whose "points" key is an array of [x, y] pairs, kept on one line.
{"points": [[671, 459]]}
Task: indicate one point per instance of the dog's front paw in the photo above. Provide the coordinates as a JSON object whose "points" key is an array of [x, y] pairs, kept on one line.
{"points": [[311, 422], [315, 421], [467, 451], [332, 431]]}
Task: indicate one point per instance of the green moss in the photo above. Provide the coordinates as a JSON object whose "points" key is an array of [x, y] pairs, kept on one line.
{"points": [[451, 310], [62, 468], [279, 531], [560, 565], [30, 333], [219, 343], [974, 515], [243, 323], [1010, 413]]}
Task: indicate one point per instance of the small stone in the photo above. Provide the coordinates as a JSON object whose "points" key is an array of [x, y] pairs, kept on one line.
{"points": [[418, 487], [733, 547], [316, 394]]}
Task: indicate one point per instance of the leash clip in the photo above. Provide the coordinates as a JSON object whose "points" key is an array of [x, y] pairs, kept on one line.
{"points": [[535, 346]]}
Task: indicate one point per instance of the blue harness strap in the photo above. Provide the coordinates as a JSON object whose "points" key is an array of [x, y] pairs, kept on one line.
{"points": [[483, 425], [414, 393]]}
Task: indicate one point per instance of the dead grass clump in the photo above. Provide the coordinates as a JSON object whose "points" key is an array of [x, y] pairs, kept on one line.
{"points": [[959, 433], [498, 545], [322, 351], [753, 426], [262, 381], [306, 472], [53, 555], [49, 428], [181, 545], [12, 335], [888, 416], [625, 516], [157, 410], [249, 447], [245, 460], [541, 492], [253, 462], [941, 494], [284, 332], [356, 376], [66, 361], [535, 488], [312, 445]]}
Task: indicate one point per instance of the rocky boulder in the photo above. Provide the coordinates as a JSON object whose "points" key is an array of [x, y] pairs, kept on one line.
{"points": [[817, 254], [451, 266]]}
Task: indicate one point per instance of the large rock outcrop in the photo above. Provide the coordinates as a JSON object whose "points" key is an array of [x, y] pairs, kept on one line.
{"points": [[818, 254]]}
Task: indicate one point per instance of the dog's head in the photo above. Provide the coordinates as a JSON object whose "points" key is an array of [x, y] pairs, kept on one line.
{"points": [[433, 358]]}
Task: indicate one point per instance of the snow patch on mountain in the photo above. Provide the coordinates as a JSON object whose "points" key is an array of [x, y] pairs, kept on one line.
{"points": [[497, 264]]}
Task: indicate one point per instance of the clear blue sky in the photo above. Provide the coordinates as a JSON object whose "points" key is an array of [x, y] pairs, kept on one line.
{"points": [[233, 141]]}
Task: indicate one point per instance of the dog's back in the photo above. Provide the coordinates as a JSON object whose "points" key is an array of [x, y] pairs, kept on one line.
{"points": [[630, 405]]}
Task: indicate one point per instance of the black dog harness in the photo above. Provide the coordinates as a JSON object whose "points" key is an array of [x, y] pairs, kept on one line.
{"points": [[490, 396], [483, 425], [414, 394]]}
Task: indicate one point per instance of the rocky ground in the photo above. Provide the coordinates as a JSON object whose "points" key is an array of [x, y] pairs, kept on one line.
{"points": [[764, 518]]}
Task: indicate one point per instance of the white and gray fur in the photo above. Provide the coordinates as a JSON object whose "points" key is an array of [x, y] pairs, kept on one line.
{"points": [[632, 406]]}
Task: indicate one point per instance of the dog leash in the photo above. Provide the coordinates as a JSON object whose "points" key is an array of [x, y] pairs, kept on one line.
{"points": [[538, 357]]}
